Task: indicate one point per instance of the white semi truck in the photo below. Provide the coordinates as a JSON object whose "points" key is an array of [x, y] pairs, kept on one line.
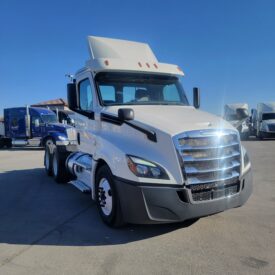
{"points": [[237, 114], [145, 154], [264, 120]]}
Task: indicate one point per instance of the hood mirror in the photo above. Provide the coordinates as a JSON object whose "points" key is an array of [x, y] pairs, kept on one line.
{"points": [[126, 114]]}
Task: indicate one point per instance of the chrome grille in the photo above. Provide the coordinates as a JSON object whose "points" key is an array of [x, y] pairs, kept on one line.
{"points": [[216, 193], [210, 161], [71, 134]]}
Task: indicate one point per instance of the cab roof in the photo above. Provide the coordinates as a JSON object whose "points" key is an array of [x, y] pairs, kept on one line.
{"points": [[108, 54]]}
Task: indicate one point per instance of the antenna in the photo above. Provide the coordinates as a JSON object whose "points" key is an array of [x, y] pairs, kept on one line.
{"points": [[70, 76]]}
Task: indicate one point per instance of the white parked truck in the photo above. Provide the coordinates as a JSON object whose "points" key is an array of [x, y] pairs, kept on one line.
{"points": [[238, 115], [145, 154], [2, 128], [265, 120]]}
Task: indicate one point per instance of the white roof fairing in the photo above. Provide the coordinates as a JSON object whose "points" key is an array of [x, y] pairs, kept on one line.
{"points": [[101, 47], [232, 108], [266, 107], [122, 55]]}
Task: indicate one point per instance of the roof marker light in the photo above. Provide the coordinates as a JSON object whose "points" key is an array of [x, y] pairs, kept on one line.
{"points": [[140, 65], [148, 65], [106, 62], [179, 69], [155, 65]]}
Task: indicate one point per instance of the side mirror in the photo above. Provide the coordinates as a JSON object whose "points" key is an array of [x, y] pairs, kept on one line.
{"points": [[196, 97], [72, 96], [126, 114]]}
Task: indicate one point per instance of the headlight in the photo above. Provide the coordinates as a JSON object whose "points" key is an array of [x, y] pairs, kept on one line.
{"points": [[62, 138], [246, 161], [145, 169]]}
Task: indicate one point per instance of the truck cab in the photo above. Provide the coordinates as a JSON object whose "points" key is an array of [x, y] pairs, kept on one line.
{"points": [[30, 126], [266, 120], [143, 151], [237, 115]]}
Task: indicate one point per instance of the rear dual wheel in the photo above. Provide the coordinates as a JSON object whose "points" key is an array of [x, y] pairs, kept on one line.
{"points": [[55, 163], [48, 161]]}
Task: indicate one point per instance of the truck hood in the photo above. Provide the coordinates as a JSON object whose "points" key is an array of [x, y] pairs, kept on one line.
{"points": [[56, 126], [172, 119]]}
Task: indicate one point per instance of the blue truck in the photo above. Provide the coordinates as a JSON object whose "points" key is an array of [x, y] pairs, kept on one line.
{"points": [[31, 126]]}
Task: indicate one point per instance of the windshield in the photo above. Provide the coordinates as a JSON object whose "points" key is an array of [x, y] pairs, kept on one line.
{"points": [[49, 118], [139, 89], [268, 116]]}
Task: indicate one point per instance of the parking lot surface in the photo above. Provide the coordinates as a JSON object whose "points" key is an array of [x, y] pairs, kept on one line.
{"points": [[49, 228]]}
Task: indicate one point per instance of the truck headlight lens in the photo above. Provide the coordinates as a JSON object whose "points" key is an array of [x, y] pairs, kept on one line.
{"points": [[62, 138], [145, 169], [246, 161]]}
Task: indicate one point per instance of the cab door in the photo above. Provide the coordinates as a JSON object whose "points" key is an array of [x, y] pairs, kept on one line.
{"points": [[36, 125], [85, 119]]}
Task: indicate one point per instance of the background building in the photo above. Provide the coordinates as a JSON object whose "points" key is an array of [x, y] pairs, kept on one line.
{"points": [[54, 104]]}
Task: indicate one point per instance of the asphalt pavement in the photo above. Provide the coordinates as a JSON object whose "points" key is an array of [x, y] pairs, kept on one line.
{"points": [[49, 228]]}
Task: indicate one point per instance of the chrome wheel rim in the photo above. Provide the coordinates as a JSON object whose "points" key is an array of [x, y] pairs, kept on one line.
{"points": [[105, 196], [49, 144]]}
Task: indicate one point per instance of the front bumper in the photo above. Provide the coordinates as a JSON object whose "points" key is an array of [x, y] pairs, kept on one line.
{"points": [[143, 204]]}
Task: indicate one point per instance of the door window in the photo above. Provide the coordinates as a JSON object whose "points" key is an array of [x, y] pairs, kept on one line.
{"points": [[35, 121], [14, 122], [85, 95]]}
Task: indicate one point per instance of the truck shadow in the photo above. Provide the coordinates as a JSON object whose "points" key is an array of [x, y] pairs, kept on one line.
{"points": [[34, 210]]}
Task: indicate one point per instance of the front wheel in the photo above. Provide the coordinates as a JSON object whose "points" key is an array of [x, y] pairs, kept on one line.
{"points": [[107, 198]]}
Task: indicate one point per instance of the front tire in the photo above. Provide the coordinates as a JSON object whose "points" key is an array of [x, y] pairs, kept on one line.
{"points": [[107, 199]]}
